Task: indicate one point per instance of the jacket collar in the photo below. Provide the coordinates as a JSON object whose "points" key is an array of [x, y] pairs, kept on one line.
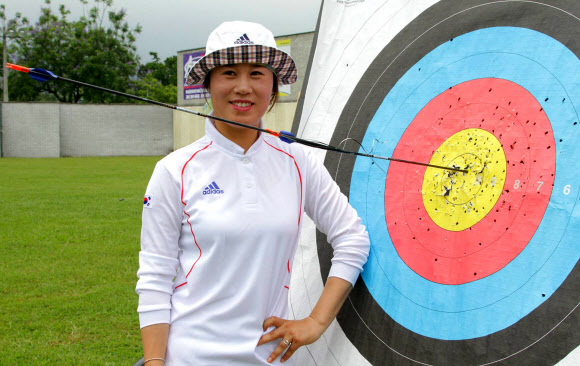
{"points": [[229, 146]]}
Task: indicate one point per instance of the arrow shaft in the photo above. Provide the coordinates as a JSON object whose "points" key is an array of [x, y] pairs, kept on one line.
{"points": [[44, 75]]}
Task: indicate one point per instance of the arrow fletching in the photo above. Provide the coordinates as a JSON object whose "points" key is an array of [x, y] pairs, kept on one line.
{"points": [[35, 73], [287, 137], [42, 75]]}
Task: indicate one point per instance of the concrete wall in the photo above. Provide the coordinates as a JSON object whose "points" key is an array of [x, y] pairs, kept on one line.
{"points": [[30, 130], [54, 130], [115, 130]]}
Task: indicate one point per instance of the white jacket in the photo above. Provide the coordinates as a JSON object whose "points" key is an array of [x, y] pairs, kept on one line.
{"points": [[220, 229]]}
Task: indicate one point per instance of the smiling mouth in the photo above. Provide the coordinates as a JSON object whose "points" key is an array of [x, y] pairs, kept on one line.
{"points": [[242, 104]]}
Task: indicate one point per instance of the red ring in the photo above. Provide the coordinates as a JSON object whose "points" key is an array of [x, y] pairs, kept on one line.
{"points": [[517, 120]]}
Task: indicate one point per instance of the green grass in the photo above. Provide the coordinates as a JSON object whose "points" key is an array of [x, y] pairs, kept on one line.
{"points": [[69, 245]]}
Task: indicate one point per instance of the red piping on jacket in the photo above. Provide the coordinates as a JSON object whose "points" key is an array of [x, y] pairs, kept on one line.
{"points": [[299, 176], [300, 207], [188, 216]]}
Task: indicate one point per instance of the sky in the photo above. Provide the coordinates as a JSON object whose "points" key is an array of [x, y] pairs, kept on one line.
{"points": [[170, 26]]}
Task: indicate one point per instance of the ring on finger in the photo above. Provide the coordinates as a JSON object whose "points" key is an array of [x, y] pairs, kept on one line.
{"points": [[286, 342]]}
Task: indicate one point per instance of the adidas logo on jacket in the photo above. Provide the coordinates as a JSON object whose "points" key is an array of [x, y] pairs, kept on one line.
{"points": [[212, 189]]}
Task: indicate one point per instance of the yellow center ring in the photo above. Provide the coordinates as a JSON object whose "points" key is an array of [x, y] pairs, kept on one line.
{"points": [[456, 201]]}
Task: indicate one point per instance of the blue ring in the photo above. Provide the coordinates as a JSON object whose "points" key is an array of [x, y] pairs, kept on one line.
{"points": [[544, 67]]}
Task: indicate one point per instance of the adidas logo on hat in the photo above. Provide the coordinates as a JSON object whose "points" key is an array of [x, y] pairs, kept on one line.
{"points": [[212, 189], [243, 40]]}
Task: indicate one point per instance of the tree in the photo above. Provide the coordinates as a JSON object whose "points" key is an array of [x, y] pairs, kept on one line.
{"points": [[165, 71], [99, 48], [152, 88], [158, 80]]}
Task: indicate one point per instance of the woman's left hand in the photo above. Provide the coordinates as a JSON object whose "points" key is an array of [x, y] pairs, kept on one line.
{"points": [[294, 334]]}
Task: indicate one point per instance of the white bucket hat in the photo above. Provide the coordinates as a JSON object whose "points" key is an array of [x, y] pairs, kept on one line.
{"points": [[242, 42]]}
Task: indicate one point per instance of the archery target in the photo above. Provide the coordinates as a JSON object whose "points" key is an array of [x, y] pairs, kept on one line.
{"points": [[463, 283], [477, 302]]}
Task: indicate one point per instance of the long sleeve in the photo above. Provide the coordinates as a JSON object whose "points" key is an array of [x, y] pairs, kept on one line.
{"points": [[334, 216], [158, 263]]}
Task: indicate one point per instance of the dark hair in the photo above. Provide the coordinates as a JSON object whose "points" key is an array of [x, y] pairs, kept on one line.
{"points": [[273, 98]]}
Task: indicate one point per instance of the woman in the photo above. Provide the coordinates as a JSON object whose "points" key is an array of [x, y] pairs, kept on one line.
{"points": [[222, 221]]}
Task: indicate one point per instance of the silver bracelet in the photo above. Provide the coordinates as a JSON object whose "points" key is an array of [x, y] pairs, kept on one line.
{"points": [[153, 359]]}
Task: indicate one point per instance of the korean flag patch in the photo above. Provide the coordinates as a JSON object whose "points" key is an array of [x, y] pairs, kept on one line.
{"points": [[148, 202]]}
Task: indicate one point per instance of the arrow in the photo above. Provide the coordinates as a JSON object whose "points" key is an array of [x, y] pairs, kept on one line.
{"points": [[45, 75]]}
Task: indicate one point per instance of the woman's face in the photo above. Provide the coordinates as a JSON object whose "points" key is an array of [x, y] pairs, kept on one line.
{"points": [[241, 92]]}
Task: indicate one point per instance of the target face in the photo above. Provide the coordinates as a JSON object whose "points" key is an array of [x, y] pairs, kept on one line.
{"points": [[483, 260], [453, 228]]}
